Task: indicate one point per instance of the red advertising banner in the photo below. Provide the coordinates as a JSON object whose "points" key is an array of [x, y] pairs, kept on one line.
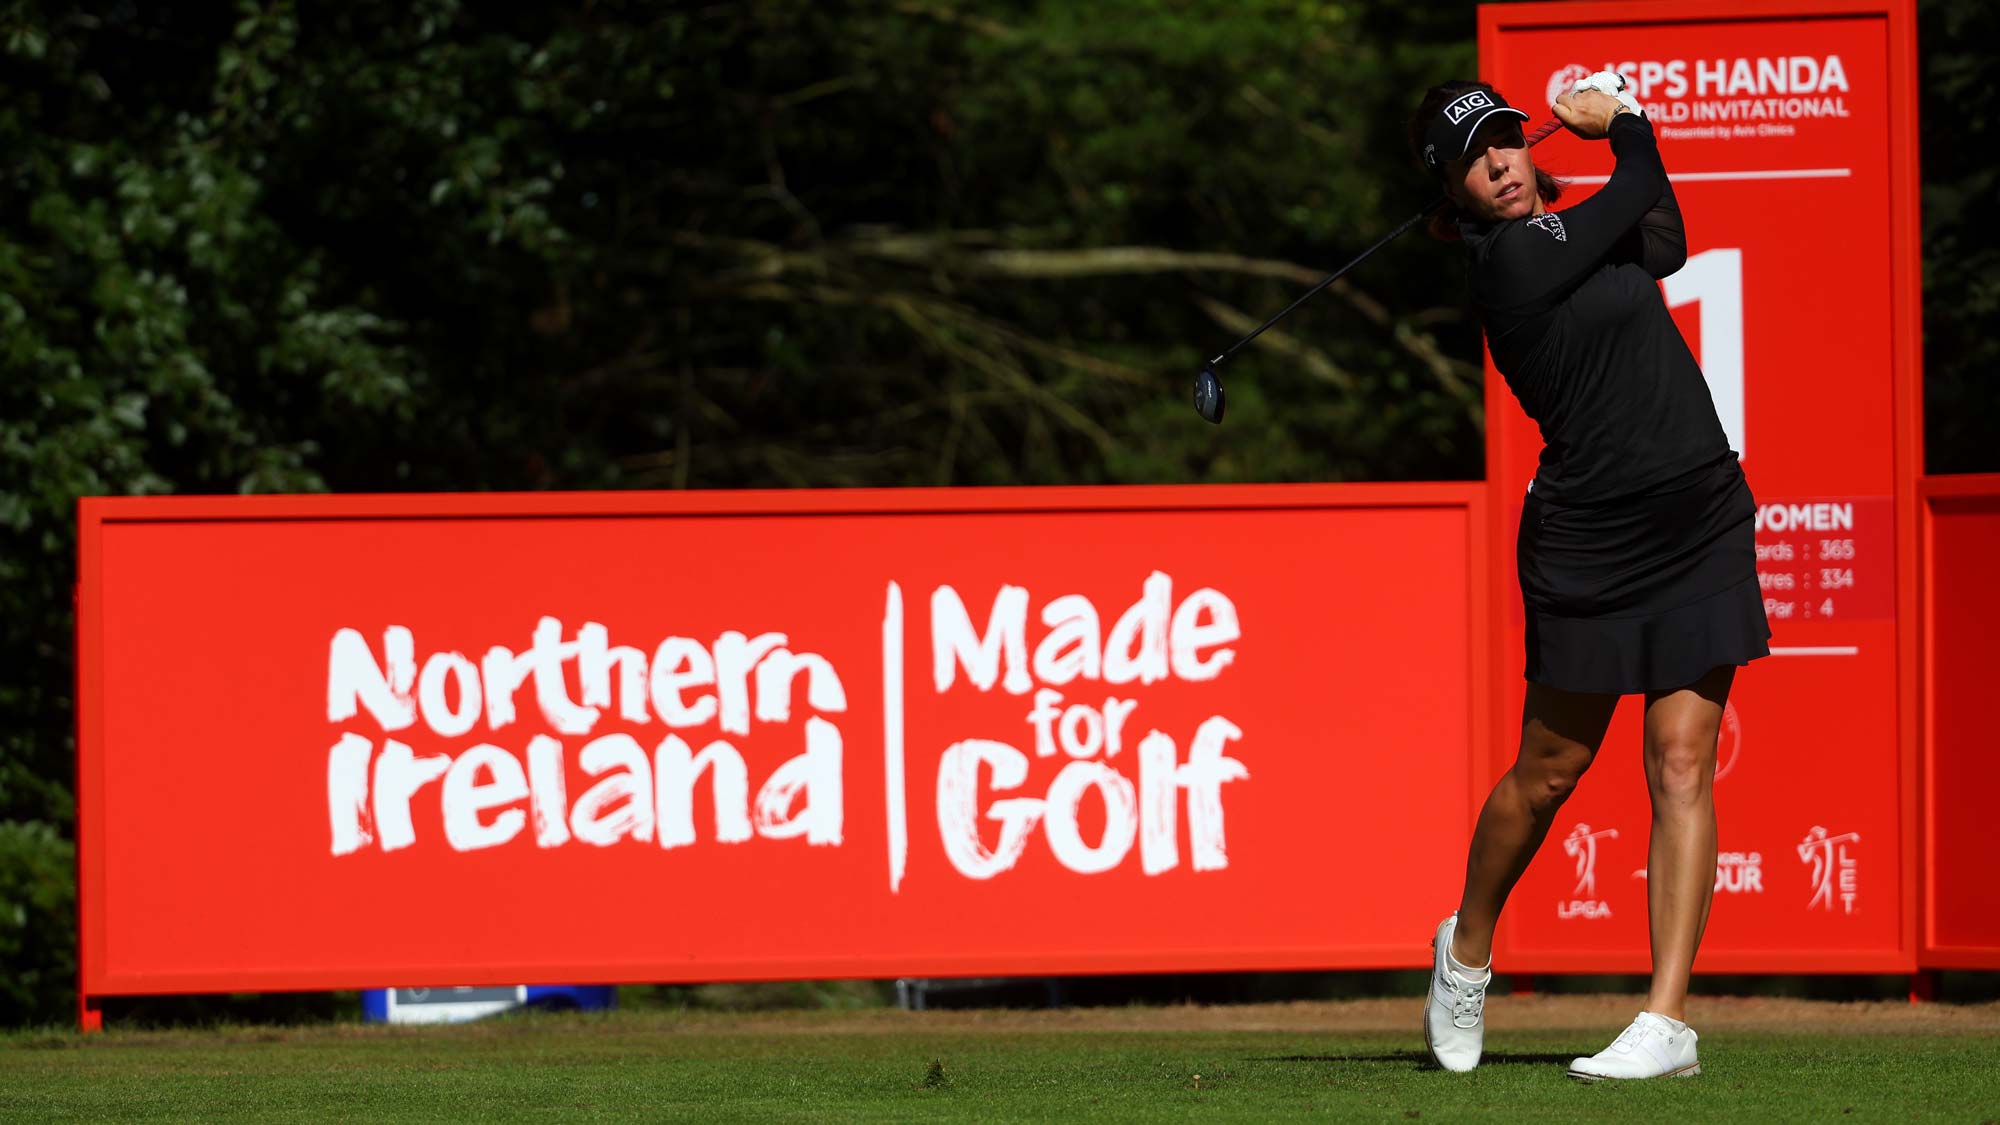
{"points": [[1788, 130], [338, 742], [1960, 920]]}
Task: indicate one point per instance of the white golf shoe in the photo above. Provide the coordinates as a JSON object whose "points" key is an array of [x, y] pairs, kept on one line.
{"points": [[1650, 1048], [1455, 1015]]}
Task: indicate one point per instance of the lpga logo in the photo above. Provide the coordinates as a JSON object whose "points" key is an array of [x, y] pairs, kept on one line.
{"points": [[1831, 865], [1581, 845]]}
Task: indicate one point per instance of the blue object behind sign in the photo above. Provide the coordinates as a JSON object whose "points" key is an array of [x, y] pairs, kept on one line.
{"points": [[452, 1005]]}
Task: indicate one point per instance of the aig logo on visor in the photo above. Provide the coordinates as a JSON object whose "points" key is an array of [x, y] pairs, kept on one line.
{"points": [[1458, 110]]}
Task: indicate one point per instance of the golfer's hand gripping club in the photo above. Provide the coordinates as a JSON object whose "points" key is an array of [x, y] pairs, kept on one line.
{"points": [[1208, 397]]}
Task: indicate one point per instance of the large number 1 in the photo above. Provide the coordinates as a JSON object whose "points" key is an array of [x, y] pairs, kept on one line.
{"points": [[1714, 280]]}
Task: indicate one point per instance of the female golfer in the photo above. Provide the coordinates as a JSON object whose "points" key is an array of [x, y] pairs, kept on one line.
{"points": [[1636, 553]]}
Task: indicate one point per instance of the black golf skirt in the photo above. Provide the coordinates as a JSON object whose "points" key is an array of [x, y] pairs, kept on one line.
{"points": [[1645, 593]]}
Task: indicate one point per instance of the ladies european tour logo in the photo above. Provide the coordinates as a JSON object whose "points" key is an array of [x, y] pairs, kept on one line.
{"points": [[1832, 867]]}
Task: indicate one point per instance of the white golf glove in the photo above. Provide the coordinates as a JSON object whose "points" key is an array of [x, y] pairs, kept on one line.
{"points": [[1613, 83]]}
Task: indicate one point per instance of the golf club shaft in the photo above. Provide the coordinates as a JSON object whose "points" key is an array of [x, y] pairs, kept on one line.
{"points": [[1543, 132], [1539, 135], [1330, 279]]}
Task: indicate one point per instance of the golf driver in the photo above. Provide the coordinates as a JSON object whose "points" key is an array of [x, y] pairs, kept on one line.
{"points": [[1208, 399]]}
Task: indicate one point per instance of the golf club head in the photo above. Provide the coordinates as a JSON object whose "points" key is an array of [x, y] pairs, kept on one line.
{"points": [[1208, 394]]}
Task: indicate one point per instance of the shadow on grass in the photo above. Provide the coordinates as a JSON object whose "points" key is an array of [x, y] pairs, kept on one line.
{"points": [[1422, 1061]]}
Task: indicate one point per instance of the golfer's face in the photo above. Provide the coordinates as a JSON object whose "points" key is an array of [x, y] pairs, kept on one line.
{"points": [[1495, 179]]}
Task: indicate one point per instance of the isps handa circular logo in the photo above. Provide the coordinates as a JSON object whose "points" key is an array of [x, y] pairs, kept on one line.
{"points": [[1728, 741], [1561, 81]]}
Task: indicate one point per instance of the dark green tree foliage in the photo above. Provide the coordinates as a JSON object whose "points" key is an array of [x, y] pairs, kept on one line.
{"points": [[301, 246], [288, 246], [1961, 175], [37, 922]]}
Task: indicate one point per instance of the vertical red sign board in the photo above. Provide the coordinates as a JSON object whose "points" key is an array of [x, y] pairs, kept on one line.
{"points": [[1960, 922], [1788, 130]]}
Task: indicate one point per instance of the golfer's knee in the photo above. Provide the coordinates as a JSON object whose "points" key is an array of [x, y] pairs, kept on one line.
{"points": [[1546, 787], [1680, 770]]}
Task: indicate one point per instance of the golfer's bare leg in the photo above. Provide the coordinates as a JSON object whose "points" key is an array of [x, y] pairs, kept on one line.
{"points": [[1560, 734], [1681, 729]]}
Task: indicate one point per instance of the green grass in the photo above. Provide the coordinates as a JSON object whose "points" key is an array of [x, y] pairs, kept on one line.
{"points": [[957, 1065]]}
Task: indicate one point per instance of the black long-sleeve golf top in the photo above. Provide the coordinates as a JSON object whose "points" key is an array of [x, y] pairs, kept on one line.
{"points": [[1576, 323]]}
